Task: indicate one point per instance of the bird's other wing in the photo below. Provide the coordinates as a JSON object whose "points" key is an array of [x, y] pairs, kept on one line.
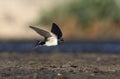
{"points": [[56, 30], [44, 33]]}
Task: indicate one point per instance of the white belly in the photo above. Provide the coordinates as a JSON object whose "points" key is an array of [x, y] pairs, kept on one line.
{"points": [[52, 41]]}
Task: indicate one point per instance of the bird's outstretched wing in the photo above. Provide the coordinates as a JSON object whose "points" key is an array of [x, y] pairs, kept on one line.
{"points": [[41, 32], [56, 30]]}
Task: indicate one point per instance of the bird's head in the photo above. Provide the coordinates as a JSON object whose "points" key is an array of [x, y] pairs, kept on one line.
{"points": [[60, 41]]}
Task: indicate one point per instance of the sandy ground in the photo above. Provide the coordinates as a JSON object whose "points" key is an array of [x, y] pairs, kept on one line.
{"points": [[69, 65]]}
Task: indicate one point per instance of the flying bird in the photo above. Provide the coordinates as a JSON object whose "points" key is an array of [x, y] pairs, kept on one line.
{"points": [[52, 38]]}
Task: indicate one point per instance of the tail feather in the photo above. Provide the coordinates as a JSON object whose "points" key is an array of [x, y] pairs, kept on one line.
{"points": [[39, 43]]}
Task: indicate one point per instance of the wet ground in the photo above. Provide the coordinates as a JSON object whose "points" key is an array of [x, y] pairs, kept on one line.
{"points": [[70, 65]]}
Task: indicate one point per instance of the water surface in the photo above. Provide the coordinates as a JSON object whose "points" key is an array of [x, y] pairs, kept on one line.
{"points": [[71, 46]]}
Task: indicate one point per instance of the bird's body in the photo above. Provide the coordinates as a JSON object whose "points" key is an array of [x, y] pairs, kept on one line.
{"points": [[51, 41], [52, 38]]}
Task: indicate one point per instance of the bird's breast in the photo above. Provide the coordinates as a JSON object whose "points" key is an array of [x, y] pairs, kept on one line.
{"points": [[51, 41]]}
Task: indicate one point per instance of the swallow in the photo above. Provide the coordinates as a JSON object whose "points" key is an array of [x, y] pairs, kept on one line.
{"points": [[52, 38]]}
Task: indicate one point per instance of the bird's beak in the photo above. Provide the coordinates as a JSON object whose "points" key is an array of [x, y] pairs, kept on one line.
{"points": [[62, 41]]}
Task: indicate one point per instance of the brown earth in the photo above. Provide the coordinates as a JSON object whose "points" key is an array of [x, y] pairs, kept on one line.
{"points": [[70, 65]]}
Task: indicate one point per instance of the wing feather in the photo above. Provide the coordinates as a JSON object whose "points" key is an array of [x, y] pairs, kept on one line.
{"points": [[56, 30], [44, 33]]}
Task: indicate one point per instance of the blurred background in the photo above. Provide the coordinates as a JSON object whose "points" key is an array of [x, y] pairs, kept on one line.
{"points": [[87, 25]]}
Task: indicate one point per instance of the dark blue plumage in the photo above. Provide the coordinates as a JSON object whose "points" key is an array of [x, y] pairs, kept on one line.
{"points": [[56, 30]]}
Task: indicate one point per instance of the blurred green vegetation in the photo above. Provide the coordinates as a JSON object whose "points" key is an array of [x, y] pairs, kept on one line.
{"points": [[84, 11]]}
